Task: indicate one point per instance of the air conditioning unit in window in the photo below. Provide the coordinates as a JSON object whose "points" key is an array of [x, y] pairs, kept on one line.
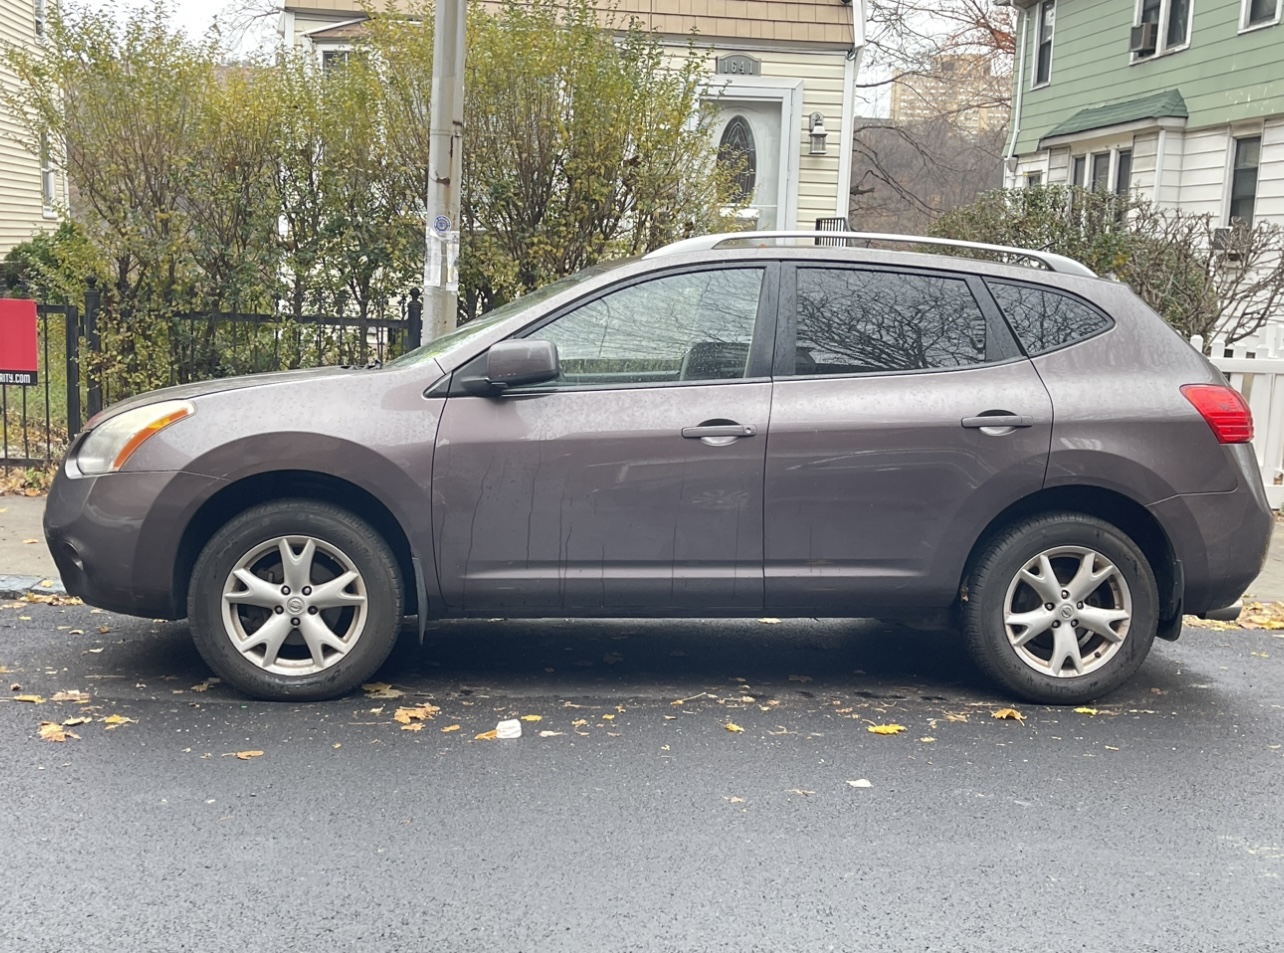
{"points": [[1144, 39], [1228, 241]]}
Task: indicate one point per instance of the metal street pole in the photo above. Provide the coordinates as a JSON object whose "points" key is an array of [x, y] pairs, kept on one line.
{"points": [[445, 169]]}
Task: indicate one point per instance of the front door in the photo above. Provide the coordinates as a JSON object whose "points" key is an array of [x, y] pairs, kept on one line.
{"points": [[881, 468], [632, 483]]}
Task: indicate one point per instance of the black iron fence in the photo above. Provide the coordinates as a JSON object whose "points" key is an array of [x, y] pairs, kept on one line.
{"points": [[76, 379]]}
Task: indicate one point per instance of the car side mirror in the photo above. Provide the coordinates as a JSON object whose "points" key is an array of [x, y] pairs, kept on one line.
{"points": [[522, 361]]}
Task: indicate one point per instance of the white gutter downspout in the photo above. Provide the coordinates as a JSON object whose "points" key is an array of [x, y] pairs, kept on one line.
{"points": [[1160, 148], [1009, 174], [851, 70]]}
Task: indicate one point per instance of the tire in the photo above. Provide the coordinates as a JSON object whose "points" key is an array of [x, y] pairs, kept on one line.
{"points": [[269, 615], [1024, 646]]}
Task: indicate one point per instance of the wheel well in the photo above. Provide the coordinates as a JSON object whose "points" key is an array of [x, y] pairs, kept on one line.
{"points": [[264, 487], [1116, 509]]}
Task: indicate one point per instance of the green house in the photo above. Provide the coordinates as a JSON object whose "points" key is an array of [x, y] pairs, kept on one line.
{"points": [[1179, 100]]}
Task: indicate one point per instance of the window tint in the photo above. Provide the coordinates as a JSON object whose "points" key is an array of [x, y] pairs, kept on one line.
{"points": [[688, 327], [853, 322], [1046, 320]]}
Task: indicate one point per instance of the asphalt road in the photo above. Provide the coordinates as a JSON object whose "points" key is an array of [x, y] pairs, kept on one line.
{"points": [[643, 825]]}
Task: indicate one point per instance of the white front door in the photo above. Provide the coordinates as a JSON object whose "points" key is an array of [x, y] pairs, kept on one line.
{"points": [[748, 134]]}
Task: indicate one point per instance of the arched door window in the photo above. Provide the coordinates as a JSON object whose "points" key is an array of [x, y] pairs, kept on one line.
{"points": [[736, 150]]}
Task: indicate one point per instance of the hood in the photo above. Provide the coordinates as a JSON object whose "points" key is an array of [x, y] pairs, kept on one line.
{"points": [[219, 385]]}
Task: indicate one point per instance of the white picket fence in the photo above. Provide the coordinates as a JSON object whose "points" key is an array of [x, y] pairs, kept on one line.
{"points": [[1255, 368]]}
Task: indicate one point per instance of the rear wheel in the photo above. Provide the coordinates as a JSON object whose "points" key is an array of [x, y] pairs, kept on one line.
{"points": [[295, 599], [1061, 608]]}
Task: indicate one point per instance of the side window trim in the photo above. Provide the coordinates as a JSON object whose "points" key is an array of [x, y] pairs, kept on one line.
{"points": [[761, 346], [1002, 345]]}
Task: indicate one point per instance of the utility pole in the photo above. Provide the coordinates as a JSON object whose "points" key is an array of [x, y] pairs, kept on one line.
{"points": [[445, 169]]}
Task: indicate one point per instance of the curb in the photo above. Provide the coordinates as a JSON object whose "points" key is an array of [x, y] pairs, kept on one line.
{"points": [[18, 587]]}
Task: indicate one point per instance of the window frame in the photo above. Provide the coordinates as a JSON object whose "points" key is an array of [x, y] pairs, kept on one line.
{"points": [[40, 13], [1232, 155], [1047, 14], [1162, 26], [1247, 26], [1112, 167], [999, 334], [1122, 188], [761, 345], [1033, 180]]}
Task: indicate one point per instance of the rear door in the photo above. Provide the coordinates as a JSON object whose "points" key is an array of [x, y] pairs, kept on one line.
{"points": [[881, 466], [632, 483]]}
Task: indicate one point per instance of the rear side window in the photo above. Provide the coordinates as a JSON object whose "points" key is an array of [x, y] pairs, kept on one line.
{"points": [[859, 322], [1046, 320]]}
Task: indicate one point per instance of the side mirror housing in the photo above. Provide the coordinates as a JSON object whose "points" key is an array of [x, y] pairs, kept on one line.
{"points": [[517, 362]]}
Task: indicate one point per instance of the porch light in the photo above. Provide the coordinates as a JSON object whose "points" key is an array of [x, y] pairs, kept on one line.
{"points": [[818, 135]]}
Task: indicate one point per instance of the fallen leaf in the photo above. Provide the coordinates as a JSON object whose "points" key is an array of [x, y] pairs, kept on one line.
{"points": [[885, 729], [31, 699], [417, 726], [928, 740], [206, 685], [52, 731], [337, 744], [104, 629], [1079, 711], [608, 718], [485, 736], [579, 723], [28, 542], [417, 713], [801, 791], [449, 728], [247, 755], [861, 783], [736, 800], [551, 734], [953, 716], [115, 721], [770, 621], [72, 695], [1111, 748], [680, 701], [380, 690], [1007, 714], [80, 632], [732, 727], [24, 618], [532, 717], [78, 720], [800, 678]]}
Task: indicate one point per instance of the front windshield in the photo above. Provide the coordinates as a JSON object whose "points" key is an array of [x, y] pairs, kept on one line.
{"points": [[443, 345]]}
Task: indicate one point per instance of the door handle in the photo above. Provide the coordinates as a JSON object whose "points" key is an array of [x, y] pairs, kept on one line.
{"points": [[719, 430], [998, 420]]}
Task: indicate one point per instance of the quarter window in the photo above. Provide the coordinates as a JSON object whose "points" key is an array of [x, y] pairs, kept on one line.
{"points": [[868, 322], [696, 326], [1243, 197], [1043, 58], [1046, 320]]}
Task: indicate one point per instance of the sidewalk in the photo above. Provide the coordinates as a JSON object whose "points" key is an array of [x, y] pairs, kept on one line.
{"points": [[24, 565]]}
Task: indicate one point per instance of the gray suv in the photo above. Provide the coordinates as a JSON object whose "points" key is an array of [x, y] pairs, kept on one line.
{"points": [[726, 427]]}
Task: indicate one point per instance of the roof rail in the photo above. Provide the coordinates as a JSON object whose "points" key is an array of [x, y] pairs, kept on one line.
{"points": [[1048, 260]]}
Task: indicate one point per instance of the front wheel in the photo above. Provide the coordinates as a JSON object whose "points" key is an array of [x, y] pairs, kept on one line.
{"points": [[295, 600], [1060, 608]]}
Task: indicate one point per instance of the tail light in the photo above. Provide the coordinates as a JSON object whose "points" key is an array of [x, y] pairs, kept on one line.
{"points": [[1224, 409]]}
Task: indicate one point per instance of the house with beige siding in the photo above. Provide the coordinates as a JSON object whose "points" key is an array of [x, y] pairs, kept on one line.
{"points": [[31, 190], [779, 71]]}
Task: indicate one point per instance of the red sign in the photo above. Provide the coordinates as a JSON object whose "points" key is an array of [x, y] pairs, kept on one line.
{"points": [[17, 341]]}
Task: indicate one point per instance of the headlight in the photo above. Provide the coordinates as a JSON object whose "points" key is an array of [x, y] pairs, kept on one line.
{"points": [[109, 445]]}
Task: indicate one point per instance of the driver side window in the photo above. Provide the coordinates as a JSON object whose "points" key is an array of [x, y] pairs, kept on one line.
{"points": [[696, 326]]}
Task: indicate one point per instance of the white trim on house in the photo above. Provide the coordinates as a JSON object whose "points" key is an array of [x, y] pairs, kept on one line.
{"points": [[843, 200], [1107, 132]]}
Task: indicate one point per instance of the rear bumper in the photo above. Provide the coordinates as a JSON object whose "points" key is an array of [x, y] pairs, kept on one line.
{"points": [[114, 538], [1221, 539]]}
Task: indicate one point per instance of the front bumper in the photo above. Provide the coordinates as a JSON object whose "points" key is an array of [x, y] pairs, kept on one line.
{"points": [[115, 538]]}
